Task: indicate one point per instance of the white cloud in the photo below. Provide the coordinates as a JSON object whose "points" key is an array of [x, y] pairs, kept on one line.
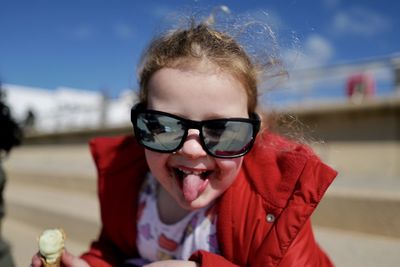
{"points": [[123, 31], [360, 21], [331, 4], [84, 32], [316, 51], [319, 48], [162, 12]]}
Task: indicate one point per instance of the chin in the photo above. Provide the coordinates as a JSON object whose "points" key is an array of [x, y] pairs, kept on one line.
{"points": [[198, 203]]}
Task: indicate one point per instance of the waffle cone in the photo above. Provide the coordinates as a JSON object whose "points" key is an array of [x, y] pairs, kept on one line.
{"points": [[57, 263]]}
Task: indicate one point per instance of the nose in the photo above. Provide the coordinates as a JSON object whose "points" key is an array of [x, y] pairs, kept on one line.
{"points": [[192, 147]]}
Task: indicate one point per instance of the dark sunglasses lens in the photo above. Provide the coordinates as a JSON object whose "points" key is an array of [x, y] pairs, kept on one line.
{"points": [[159, 132], [228, 138]]}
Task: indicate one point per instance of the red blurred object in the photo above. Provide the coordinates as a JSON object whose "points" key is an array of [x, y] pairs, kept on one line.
{"points": [[360, 86]]}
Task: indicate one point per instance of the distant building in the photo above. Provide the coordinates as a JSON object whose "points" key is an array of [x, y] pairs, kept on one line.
{"points": [[68, 109]]}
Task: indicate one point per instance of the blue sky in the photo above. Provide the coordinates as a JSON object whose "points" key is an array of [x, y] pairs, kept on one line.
{"points": [[96, 45]]}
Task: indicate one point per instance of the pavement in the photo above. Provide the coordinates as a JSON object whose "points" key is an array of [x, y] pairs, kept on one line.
{"points": [[346, 249]]}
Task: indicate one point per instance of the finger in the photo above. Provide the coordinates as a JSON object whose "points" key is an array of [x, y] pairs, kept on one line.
{"points": [[70, 260], [36, 262], [67, 258]]}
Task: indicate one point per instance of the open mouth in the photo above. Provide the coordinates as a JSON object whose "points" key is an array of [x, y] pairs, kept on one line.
{"points": [[192, 182], [180, 174]]}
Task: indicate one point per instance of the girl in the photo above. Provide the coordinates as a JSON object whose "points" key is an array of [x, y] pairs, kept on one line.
{"points": [[200, 184]]}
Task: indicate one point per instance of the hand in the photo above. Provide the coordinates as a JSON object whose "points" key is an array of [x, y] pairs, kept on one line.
{"points": [[67, 260], [173, 263]]}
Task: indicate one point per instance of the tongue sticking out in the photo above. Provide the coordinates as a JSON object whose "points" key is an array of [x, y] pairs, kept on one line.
{"points": [[193, 186]]}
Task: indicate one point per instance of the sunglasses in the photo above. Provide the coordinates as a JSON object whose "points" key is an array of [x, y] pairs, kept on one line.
{"points": [[166, 133]]}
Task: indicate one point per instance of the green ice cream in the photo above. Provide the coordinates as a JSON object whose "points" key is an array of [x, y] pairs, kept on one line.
{"points": [[51, 244]]}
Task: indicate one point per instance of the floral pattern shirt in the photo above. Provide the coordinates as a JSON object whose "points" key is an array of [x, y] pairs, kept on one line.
{"points": [[158, 241]]}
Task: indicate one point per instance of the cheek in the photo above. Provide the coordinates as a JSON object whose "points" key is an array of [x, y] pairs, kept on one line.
{"points": [[156, 161], [229, 168]]}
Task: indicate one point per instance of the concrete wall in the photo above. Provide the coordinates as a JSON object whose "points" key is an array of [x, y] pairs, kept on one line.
{"points": [[371, 120], [362, 159], [359, 140]]}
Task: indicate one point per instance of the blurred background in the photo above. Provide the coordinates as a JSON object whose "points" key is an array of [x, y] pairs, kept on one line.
{"points": [[68, 73]]}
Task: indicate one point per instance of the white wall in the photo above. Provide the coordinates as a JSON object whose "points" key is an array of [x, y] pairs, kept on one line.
{"points": [[68, 109]]}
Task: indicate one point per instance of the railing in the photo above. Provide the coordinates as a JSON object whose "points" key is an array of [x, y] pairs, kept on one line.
{"points": [[330, 83]]}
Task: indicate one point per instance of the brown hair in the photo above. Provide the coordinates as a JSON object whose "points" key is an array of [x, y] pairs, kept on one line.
{"points": [[198, 42]]}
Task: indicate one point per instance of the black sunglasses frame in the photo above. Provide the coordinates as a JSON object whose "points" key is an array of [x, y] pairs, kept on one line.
{"points": [[254, 120]]}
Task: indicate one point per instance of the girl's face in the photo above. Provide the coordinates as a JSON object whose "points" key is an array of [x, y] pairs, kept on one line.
{"points": [[191, 176]]}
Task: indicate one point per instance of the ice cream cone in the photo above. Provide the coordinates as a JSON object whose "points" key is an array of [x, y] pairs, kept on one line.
{"points": [[51, 246]]}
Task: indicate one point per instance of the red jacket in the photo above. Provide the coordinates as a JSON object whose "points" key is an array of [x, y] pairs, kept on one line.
{"points": [[263, 217]]}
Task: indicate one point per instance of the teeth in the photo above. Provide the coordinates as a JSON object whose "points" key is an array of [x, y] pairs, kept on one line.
{"points": [[187, 172]]}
